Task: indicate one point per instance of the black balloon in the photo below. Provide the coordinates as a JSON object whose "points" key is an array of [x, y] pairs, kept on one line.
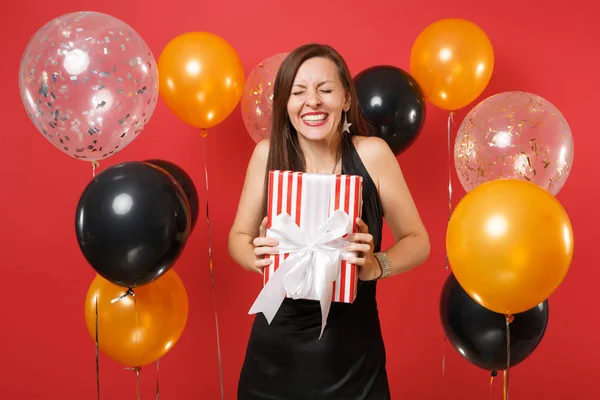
{"points": [[393, 103], [132, 222], [186, 183], [479, 334]]}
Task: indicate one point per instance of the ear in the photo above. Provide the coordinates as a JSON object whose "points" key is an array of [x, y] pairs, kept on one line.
{"points": [[347, 102]]}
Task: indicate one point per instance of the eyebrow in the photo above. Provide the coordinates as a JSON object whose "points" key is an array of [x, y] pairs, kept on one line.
{"points": [[319, 85]]}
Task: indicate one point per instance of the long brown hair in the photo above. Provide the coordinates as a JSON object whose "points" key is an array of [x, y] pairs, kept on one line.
{"points": [[284, 151]]}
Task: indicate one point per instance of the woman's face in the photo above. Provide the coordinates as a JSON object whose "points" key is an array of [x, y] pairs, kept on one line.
{"points": [[317, 99]]}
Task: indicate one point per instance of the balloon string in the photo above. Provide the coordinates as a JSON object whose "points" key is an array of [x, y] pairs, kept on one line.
{"points": [[137, 372], [131, 293], [97, 353], [136, 343], [450, 120], [157, 368], [505, 385], [137, 385], [493, 375], [450, 158], [212, 275], [136, 369], [444, 368], [507, 370]]}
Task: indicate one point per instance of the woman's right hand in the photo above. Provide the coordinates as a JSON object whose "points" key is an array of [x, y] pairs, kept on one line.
{"points": [[264, 246]]}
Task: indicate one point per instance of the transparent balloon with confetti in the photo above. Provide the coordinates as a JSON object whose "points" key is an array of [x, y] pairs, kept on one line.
{"points": [[514, 135], [257, 100], [89, 84]]}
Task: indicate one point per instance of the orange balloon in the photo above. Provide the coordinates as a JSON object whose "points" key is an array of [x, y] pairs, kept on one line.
{"points": [[452, 60], [510, 245], [136, 333], [201, 78]]}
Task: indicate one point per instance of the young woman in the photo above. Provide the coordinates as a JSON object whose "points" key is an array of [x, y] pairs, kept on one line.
{"points": [[318, 128]]}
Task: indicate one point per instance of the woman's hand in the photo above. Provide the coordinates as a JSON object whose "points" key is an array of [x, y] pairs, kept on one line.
{"points": [[362, 243], [263, 246]]}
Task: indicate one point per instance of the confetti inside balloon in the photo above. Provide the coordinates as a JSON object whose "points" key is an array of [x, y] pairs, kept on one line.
{"points": [[257, 100], [514, 135], [89, 84]]}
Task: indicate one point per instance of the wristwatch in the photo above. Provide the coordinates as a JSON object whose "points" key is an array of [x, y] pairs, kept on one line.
{"points": [[384, 263]]}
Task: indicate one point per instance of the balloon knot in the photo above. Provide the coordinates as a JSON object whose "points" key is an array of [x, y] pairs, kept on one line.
{"points": [[203, 133], [494, 374], [95, 165], [129, 292], [510, 318]]}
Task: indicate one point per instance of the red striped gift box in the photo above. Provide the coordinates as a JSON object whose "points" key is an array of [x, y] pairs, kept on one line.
{"points": [[310, 199]]}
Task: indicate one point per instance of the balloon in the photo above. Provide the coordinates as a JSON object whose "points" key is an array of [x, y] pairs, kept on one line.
{"points": [[392, 103], [187, 184], [137, 332], [514, 135], [89, 83], [257, 100], [201, 78], [453, 60], [510, 245], [479, 335], [132, 222]]}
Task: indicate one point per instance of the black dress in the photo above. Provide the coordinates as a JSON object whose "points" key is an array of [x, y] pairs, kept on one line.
{"points": [[286, 360]]}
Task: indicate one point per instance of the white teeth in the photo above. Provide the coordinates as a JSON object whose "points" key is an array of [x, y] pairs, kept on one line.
{"points": [[319, 117]]}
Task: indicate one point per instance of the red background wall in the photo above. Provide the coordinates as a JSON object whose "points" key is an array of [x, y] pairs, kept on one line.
{"points": [[45, 351]]}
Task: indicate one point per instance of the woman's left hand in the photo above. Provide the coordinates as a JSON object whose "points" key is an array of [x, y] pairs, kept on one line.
{"points": [[362, 244]]}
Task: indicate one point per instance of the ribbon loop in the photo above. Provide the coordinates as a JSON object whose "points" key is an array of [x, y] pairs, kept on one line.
{"points": [[312, 265]]}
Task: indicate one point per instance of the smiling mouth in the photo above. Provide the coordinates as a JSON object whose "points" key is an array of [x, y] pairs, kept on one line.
{"points": [[315, 119]]}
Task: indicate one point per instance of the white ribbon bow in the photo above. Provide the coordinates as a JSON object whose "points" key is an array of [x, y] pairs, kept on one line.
{"points": [[312, 260]]}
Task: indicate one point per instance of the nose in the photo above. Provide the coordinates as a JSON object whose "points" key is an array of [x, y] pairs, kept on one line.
{"points": [[313, 99]]}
